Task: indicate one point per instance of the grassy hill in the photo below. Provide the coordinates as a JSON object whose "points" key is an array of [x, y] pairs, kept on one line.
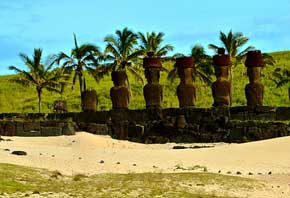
{"points": [[17, 98]]}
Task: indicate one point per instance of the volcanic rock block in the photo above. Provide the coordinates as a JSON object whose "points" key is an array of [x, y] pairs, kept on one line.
{"points": [[31, 126], [98, 129], [10, 129], [51, 131], [68, 129]]}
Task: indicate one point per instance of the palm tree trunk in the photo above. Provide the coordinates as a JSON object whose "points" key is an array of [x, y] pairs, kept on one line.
{"points": [[39, 99], [81, 83], [232, 86], [289, 93]]}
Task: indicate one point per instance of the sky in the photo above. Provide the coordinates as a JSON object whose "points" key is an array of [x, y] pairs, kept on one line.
{"points": [[50, 24]]}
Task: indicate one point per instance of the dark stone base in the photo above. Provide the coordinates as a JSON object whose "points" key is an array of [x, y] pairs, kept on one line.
{"points": [[236, 124]]}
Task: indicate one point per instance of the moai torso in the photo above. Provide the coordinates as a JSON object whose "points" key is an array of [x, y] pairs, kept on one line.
{"points": [[255, 89], [221, 88], [89, 100], [120, 95], [152, 90], [186, 89], [254, 94]]}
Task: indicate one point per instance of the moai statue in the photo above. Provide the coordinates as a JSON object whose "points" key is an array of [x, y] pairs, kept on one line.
{"points": [[255, 89], [89, 100], [186, 89], [120, 94], [60, 106], [152, 90], [221, 88]]}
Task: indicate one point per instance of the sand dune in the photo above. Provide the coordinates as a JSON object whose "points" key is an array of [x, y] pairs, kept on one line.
{"points": [[91, 154], [83, 152]]}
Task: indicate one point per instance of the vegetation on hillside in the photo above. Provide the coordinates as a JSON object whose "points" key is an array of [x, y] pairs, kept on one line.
{"points": [[123, 53]]}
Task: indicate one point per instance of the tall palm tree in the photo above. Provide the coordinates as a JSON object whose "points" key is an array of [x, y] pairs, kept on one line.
{"points": [[151, 42], [281, 77], [40, 74], [84, 57], [203, 65], [233, 42], [120, 48]]}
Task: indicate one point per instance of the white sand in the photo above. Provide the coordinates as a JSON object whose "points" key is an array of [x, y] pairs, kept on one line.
{"points": [[83, 152]]}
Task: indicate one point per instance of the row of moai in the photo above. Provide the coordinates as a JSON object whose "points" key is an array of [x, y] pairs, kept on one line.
{"points": [[186, 91]]}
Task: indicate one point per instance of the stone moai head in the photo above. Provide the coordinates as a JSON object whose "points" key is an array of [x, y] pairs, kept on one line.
{"points": [[254, 74], [221, 72], [152, 75], [254, 63], [185, 67], [221, 62], [119, 78], [152, 65]]}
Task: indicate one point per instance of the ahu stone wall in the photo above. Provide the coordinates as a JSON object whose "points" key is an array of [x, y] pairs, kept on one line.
{"points": [[155, 125]]}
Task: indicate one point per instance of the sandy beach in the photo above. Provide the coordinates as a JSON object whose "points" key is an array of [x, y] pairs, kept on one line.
{"points": [[267, 160]]}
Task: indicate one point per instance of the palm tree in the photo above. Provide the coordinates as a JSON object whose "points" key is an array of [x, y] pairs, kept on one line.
{"points": [[281, 77], [39, 74], [84, 57], [203, 66], [151, 42], [233, 42], [121, 50]]}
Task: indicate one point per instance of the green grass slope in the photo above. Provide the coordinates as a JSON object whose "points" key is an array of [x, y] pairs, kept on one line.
{"points": [[17, 98], [20, 181]]}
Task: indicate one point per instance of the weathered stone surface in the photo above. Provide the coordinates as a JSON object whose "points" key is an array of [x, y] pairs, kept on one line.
{"points": [[29, 133], [99, 129], [186, 89], [156, 125], [19, 127], [153, 90], [180, 122], [89, 100], [186, 95], [120, 94], [153, 95], [254, 90], [254, 59], [68, 129], [10, 129], [221, 59], [2, 128], [120, 130], [52, 124], [51, 131], [254, 94], [60, 106], [221, 90], [283, 113], [31, 126], [135, 130], [19, 153]]}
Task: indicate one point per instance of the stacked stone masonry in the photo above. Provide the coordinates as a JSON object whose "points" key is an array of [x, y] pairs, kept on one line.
{"points": [[235, 124]]}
